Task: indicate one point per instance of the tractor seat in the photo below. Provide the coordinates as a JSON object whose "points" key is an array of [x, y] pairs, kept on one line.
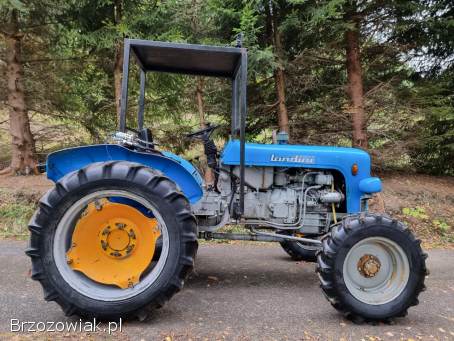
{"points": [[146, 138]]}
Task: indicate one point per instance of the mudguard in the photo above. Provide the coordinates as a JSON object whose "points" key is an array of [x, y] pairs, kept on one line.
{"points": [[184, 174]]}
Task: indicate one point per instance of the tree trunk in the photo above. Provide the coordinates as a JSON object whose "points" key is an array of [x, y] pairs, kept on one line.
{"points": [[118, 61], [355, 85], [23, 160], [279, 75], [208, 175], [282, 109], [199, 97]]}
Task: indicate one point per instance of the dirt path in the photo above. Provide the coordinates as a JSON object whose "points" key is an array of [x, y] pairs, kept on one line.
{"points": [[38, 183], [425, 203]]}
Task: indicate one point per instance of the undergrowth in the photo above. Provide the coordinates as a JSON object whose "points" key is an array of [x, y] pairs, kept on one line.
{"points": [[16, 209]]}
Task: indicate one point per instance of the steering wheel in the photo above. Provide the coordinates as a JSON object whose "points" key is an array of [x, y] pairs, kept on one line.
{"points": [[203, 133]]}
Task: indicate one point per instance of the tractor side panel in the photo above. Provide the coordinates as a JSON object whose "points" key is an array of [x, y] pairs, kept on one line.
{"points": [[313, 157], [179, 170]]}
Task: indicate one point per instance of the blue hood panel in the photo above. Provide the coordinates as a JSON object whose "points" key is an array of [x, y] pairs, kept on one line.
{"points": [[288, 155], [316, 157]]}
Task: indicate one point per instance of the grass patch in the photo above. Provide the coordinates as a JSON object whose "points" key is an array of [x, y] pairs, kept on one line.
{"points": [[16, 209], [434, 230]]}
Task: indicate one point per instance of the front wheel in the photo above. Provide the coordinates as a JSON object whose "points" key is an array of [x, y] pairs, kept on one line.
{"points": [[371, 268], [111, 240]]}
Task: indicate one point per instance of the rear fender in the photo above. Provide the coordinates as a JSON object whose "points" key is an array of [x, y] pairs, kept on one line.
{"points": [[177, 169]]}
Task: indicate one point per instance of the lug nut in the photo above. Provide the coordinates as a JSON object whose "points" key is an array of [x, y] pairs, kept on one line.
{"points": [[98, 205]]}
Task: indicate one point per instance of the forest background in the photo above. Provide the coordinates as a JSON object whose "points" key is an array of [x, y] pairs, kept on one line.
{"points": [[373, 74]]}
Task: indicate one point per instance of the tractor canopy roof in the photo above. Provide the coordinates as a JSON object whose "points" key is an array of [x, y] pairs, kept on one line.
{"points": [[193, 59]]}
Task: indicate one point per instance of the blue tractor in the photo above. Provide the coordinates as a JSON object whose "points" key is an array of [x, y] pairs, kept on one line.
{"points": [[117, 235]]}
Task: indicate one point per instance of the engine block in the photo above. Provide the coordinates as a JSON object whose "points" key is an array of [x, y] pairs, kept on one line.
{"points": [[284, 198], [278, 204]]}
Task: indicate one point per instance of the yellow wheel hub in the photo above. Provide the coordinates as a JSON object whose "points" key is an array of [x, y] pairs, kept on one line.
{"points": [[113, 243], [118, 238]]}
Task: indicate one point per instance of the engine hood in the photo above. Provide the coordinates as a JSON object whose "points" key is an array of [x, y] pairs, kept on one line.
{"points": [[286, 155], [315, 157]]}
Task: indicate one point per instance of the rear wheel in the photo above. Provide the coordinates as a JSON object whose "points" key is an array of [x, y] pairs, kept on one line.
{"points": [[111, 240], [371, 268]]}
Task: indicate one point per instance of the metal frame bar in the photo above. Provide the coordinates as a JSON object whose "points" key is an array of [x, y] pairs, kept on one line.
{"points": [[243, 108], [140, 117], [258, 236], [124, 86], [298, 239]]}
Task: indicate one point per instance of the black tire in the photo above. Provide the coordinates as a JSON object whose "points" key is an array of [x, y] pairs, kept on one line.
{"points": [[296, 251], [150, 184], [335, 249]]}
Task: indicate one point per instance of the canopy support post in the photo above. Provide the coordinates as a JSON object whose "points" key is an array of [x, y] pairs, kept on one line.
{"points": [[140, 116], [243, 108], [124, 86]]}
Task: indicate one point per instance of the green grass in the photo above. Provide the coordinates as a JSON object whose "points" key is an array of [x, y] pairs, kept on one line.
{"points": [[15, 212]]}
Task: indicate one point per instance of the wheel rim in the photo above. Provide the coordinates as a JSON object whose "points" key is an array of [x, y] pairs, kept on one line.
{"points": [[376, 270], [112, 243], [126, 268]]}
